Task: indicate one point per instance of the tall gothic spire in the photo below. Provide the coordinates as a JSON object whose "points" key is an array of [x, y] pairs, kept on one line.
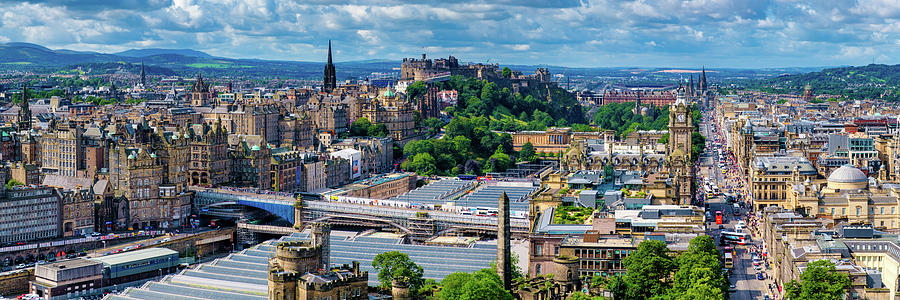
{"points": [[703, 79], [143, 75], [25, 111], [329, 52], [330, 80]]}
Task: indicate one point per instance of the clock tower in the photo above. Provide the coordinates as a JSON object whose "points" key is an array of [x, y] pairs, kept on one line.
{"points": [[678, 150]]}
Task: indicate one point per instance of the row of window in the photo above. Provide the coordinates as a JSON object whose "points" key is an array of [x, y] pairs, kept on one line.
{"points": [[859, 210]]}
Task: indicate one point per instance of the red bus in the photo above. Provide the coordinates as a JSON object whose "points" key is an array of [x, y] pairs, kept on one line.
{"points": [[719, 217]]}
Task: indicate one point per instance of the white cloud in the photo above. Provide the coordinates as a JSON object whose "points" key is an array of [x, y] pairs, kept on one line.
{"points": [[520, 47], [592, 32]]}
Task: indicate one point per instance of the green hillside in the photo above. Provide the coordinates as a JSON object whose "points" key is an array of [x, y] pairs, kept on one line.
{"points": [[864, 82]]}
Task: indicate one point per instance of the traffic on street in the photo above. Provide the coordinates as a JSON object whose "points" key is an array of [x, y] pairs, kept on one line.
{"points": [[730, 218]]}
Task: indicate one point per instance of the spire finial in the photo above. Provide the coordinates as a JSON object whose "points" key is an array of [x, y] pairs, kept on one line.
{"points": [[329, 51]]}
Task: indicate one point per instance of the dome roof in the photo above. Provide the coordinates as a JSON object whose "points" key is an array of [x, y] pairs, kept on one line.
{"points": [[388, 94], [847, 174]]}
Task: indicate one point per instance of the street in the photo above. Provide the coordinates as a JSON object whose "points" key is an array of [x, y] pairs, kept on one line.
{"points": [[718, 174]]}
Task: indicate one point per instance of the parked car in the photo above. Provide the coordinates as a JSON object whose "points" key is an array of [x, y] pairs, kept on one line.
{"points": [[760, 276]]}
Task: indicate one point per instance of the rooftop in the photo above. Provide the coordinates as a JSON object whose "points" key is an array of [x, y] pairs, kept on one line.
{"points": [[69, 264], [135, 256]]}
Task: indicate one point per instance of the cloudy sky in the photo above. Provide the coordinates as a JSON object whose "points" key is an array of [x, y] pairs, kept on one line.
{"points": [[597, 33]]}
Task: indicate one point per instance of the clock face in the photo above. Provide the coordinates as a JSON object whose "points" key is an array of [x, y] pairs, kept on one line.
{"points": [[680, 118]]}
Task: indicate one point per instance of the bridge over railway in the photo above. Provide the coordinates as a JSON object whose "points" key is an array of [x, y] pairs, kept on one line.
{"points": [[417, 222]]}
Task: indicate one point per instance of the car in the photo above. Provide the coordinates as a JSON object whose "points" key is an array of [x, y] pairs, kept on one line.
{"points": [[757, 267], [732, 287], [759, 276], [766, 297]]}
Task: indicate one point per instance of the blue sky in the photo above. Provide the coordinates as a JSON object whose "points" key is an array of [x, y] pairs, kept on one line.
{"points": [[596, 33]]}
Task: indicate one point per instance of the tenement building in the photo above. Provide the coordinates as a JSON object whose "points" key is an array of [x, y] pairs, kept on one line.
{"points": [[771, 178]]}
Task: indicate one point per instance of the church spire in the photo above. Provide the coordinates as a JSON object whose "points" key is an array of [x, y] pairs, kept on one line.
{"points": [[703, 79], [24, 111], [143, 76], [329, 53], [329, 81]]}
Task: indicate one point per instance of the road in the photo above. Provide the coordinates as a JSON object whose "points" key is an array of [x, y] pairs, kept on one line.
{"points": [[145, 242], [744, 277]]}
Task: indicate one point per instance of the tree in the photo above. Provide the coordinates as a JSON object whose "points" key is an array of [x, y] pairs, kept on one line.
{"points": [[583, 296], [647, 272], [514, 261], [395, 264], [701, 291], [506, 73], [360, 127], [820, 280], [434, 125], [498, 162], [699, 266], [416, 89], [483, 284], [378, 130], [422, 164], [527, 152], [13, 182]]}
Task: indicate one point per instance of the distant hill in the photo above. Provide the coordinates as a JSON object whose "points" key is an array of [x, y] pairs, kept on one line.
{"points": [[185, 62], [160, 51], [25, 54], [873, 81]]}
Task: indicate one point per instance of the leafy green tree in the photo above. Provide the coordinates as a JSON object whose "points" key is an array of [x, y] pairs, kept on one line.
{"points": [[698, 143], [483, 284], [415, 90], [506, 73], [360, 127], [13, 182], [378, 130], [647, 272], [429, 286], [395, 264], [583, 296], [701, 291], [422, 164], [527, 152], [434, 125], [498, 162], [820, 281]]}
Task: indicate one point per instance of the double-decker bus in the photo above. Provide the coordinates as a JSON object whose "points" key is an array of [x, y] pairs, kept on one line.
{"points": [[729, 260], [732, 237], [719, 217]]}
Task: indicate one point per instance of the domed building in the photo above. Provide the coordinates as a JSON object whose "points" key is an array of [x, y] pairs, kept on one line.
{"points": [[849, 195], [396, 113], [847, 177]]}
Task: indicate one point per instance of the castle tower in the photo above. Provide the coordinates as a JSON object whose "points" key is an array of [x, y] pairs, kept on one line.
{"points": [[330, 81], [25, 111], [321, 233], [282, 285], [504, 263], [298, 215], [400, 289]]}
